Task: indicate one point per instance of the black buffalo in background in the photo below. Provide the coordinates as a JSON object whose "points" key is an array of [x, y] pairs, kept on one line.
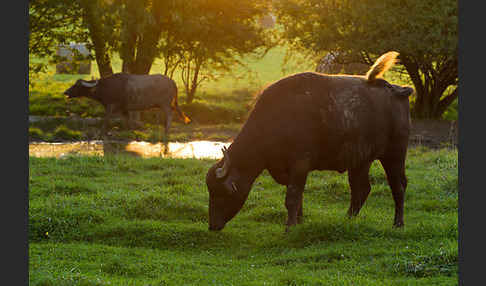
{"points": [[129, 93], [311, 121]]}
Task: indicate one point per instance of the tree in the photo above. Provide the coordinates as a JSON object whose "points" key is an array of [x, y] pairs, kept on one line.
{"points": [[424, 32], [204, 37], [198, 36], [141, 30], [100, 24], [52, 22]]}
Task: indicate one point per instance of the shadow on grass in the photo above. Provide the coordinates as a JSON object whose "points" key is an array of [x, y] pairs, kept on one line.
{"points": [[160, 235]]}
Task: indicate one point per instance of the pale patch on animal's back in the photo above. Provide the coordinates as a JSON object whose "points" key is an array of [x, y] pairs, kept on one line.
{"points": [[347, 103], [141, 88], [343, 108]]}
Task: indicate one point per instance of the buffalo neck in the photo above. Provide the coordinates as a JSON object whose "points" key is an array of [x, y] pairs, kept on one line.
{"points": [[245, 153]]}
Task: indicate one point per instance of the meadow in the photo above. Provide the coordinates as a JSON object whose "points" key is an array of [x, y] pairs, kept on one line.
{"points": [[120, 220]]}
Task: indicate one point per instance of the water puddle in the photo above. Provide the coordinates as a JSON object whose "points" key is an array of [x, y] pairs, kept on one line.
{"points": [[194, 149]]}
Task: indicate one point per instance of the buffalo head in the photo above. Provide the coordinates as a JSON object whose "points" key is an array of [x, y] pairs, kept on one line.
{"points": [[228, 190], [81, 88]]}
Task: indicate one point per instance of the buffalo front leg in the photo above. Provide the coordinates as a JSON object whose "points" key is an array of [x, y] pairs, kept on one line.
{"points": [[293, 203], [395, 175], [300, 215], [295, 190], [130, 119], [108, 114], [359, 183], [134, 120]]}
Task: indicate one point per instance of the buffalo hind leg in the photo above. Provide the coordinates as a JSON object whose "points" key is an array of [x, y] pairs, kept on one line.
{"points": [[359, 183], [395, 175], [295, 190], [168, 121]]}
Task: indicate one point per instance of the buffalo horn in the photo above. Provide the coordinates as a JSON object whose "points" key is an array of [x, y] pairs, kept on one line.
{"points": [[223, 171], [233, 185], [88, 84]]}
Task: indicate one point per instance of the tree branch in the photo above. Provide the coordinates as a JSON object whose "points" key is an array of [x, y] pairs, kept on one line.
{"points": [[448, 100]]}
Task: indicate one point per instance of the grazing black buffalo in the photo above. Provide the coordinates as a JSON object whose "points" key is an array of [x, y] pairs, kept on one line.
{"points": [[312, 121], [129, 93]]}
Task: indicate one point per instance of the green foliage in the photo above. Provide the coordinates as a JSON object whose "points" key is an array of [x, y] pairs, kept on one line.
{"points": [[452, 112], [207, 38], [36, 134], [201, 37], [120, 220], [64, 133], [52, 22], [423, 32]]}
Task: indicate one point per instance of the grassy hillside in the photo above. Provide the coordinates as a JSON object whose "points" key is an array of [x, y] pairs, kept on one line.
{"points": [[131, 221]]}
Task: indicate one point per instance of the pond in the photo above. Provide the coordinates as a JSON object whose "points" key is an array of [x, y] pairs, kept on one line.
{"points": [[193, 149]]}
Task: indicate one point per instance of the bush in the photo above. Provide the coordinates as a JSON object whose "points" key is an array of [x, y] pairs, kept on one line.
{"points": [[36, 134], [64, 133]]}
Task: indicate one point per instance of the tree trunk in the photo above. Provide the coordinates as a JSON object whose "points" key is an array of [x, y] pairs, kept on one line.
{"points": [[92, 17], [147, 49], [190, 96], [141, 34], [430, 83], [127, 52], [104, 63], [194, 84]]}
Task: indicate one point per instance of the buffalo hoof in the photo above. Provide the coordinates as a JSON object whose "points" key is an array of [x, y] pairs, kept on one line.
{"points": [[288, 228], [398, 224], [212, 228]]}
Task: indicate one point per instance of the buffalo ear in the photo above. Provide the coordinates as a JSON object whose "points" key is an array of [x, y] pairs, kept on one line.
{"points": [[223, 171], [404, 91]]}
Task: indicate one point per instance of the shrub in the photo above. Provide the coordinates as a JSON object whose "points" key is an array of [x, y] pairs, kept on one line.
{"points": [[64, 133], [36, 133]]}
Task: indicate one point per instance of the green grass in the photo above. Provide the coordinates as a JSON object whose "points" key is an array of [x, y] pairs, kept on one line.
{"points": [[130, 221]]}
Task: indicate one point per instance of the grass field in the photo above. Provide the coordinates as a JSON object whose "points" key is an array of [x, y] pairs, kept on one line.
{"points": [[131, 221]]}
